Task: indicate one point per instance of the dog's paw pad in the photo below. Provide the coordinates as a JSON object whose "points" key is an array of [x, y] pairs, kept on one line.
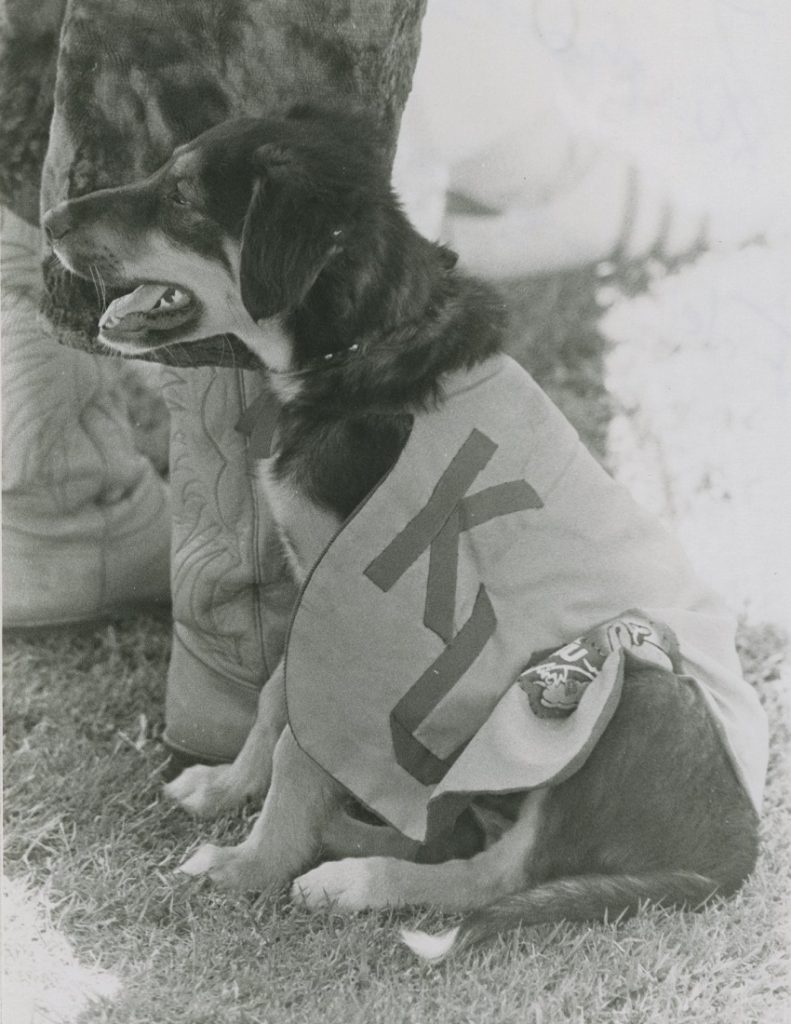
{"points": [[204, 791], [201, 862], [233, 868], [342, 884]]}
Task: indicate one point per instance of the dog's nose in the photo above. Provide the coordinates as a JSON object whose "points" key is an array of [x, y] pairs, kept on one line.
{"points": [[57, 222]]}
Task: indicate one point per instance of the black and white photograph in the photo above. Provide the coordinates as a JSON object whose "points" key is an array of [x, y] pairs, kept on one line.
{"points": [[396, 511]]}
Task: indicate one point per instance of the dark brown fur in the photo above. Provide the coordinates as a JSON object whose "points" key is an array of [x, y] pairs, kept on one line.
{"points": [[656, 815]]}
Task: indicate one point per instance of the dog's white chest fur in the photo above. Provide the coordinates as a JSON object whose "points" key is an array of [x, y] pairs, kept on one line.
{"points": [[305, 529]]}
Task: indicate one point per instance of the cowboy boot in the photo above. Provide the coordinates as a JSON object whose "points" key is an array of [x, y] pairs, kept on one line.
{"points": [[232, 589], [86, 532], [85, 528], [232, 593]]}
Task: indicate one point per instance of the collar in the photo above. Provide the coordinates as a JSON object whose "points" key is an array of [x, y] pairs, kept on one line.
{"points": [[321, 362], [259, 422]]}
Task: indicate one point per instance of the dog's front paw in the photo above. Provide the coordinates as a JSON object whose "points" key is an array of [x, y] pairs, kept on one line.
{"points": [[229, 867], [347, 884], [206, 792]]}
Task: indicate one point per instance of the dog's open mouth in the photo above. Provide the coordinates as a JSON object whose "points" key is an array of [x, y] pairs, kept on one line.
{"points": [[150, 307]]}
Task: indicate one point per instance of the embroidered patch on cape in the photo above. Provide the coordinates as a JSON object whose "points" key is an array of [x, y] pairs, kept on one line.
{"points": [[556, 683]]}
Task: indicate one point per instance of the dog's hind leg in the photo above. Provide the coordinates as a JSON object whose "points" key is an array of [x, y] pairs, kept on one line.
{"points": [[208, 791], [286, 837], [655, 815], [373, 882]]}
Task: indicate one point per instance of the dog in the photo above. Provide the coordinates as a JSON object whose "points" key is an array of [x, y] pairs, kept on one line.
{"points": [[285, 233]]}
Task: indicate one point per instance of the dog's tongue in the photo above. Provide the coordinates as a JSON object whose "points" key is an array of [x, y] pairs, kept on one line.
{"points": [[146, 303]]}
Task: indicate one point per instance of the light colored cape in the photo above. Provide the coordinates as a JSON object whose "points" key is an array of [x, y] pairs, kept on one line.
{"points": [[495, 536]]}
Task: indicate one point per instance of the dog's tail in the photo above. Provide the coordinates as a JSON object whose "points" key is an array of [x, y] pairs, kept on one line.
{"points": [[584, 898]]}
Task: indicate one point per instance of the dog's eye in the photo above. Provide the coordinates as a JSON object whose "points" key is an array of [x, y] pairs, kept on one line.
{"points": [[178, 197]]}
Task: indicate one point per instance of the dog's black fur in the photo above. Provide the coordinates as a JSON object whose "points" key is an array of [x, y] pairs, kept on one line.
{"points": [[324, 240], [374, 315]]}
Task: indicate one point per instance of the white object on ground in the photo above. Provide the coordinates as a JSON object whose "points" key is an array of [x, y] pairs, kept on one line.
{"points": [[429, 947], [43, 981]]}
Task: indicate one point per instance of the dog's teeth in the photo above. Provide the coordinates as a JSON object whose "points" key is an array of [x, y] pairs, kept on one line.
{"points": [[171, 299]]}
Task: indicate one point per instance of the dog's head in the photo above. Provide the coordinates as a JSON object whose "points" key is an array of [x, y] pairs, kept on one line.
{"points": [[233, 230]]}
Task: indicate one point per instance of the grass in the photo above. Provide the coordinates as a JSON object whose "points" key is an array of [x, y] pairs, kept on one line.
{"points": [[88, 834], [99, 928]]}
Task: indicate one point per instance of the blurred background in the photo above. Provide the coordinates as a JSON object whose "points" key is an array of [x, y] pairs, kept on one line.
{"points": [[623, 172]]}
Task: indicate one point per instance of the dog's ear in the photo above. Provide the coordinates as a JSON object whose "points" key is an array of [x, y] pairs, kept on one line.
{"points": [[290, 233]]}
